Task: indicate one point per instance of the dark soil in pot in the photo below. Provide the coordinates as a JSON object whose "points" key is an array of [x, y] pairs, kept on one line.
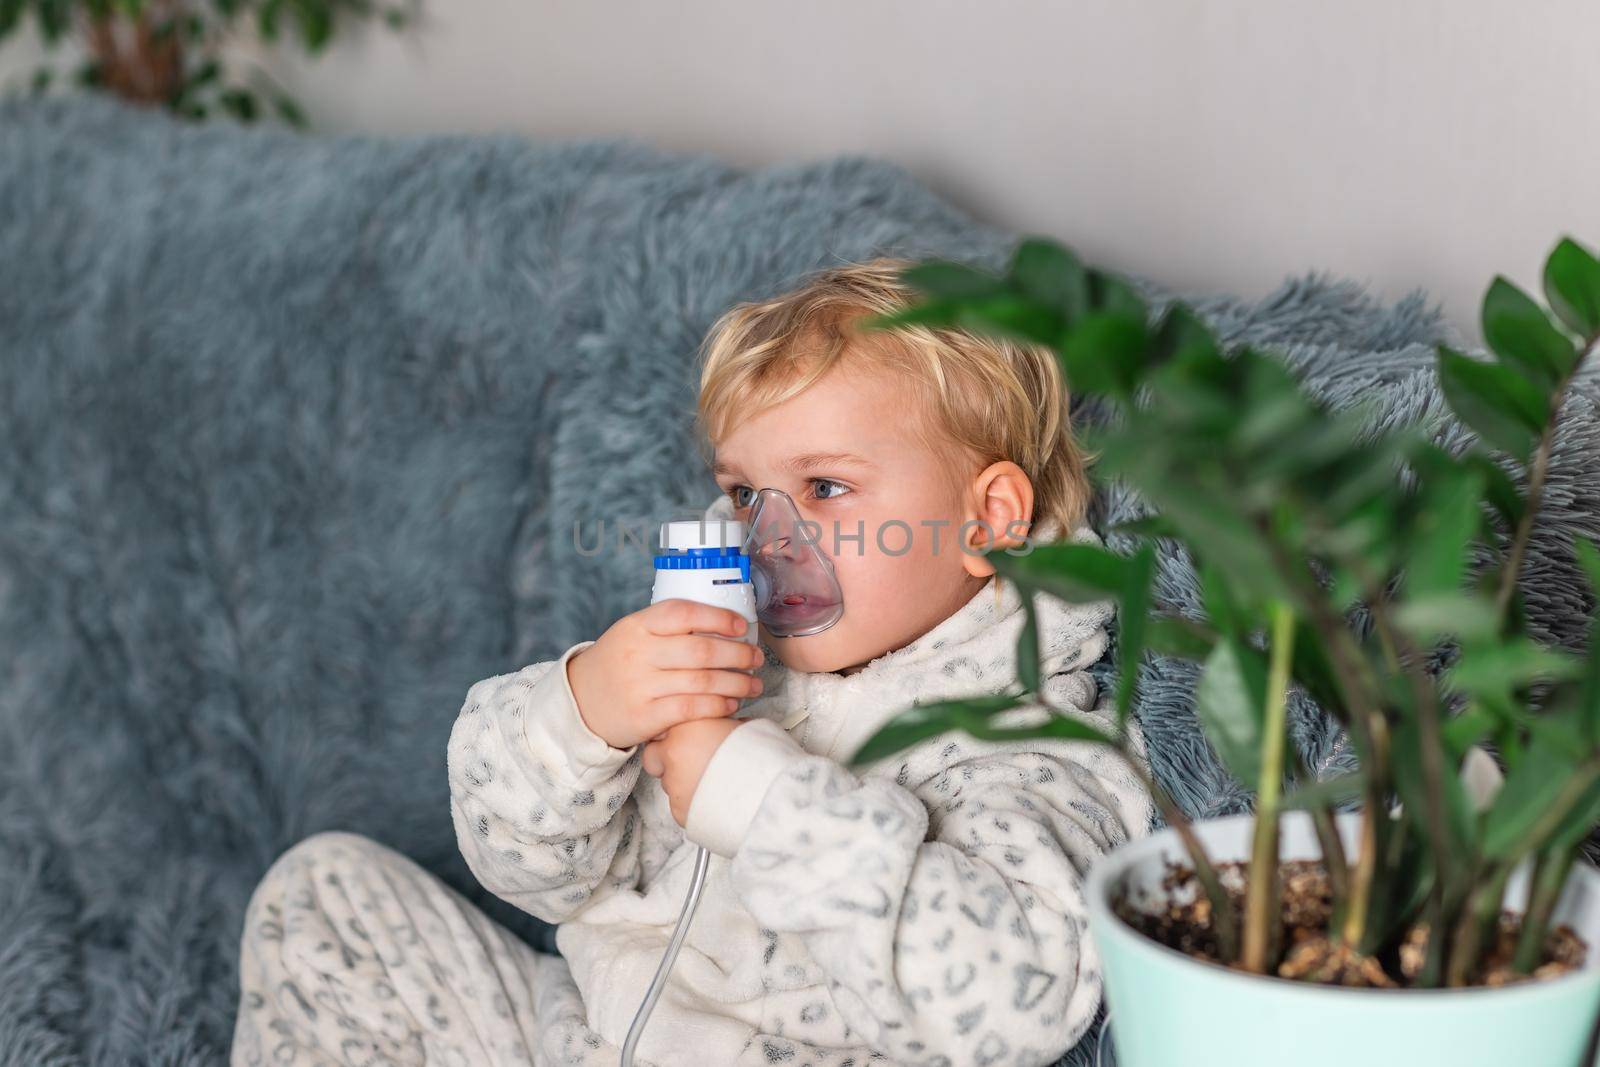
{"points": [[1182, 921]]}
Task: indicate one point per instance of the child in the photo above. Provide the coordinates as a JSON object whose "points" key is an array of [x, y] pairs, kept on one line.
{"points": [[924, 909]]}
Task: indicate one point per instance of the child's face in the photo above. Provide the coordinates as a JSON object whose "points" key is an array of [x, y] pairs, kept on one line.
{"points": [[891, 492]]}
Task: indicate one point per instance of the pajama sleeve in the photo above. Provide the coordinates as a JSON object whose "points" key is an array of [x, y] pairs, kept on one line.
{"points": [[944, 906], [543, 808]]}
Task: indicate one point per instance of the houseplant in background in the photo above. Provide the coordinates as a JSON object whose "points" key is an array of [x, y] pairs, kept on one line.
{"points": [[1379, 572], [180, 54]]}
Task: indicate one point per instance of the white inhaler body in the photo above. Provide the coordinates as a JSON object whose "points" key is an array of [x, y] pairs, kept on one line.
{"points": [[771, 571], [702, 560], [773, 574]]}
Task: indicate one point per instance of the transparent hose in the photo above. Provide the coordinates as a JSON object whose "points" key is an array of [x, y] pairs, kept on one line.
{"points": [[797, 594], [702, 860]]}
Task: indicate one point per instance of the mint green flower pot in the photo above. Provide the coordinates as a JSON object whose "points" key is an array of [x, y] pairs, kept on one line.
{"points": [[1168, 1010]]}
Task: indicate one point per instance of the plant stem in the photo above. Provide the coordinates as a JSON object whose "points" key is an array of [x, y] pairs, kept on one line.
{"points": [[1328, 839], [1549, 878], [1369, 732], [1370, 844], [1222, 919], [1431, 748], [1261, 898], [1475, 926], [1332, 846]]}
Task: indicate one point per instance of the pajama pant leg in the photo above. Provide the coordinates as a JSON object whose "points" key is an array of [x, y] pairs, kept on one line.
{"points": [[352, 954]]}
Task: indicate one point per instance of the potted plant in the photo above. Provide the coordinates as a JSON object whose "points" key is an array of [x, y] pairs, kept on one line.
{"points": [[1423, 927], [185, 55]]}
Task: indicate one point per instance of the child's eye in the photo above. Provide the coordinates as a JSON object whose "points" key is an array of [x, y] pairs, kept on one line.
{"points": [[819, 486]]}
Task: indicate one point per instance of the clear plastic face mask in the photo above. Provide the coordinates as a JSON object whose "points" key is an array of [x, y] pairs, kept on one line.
{"points": [[797, 592]]}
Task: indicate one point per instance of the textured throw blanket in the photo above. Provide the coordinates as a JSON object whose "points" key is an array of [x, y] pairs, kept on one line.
{"points": [[294, 433]]}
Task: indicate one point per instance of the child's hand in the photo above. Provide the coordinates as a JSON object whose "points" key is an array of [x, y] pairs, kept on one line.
{"points": [[659, 667], [680, 757]]}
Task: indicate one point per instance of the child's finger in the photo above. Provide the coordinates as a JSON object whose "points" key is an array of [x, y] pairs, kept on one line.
{"points": [[703, 680], [650, 759], [669, 712], [676, 615], [698, 650]]}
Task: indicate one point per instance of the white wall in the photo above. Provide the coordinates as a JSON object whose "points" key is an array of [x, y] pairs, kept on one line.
{"points": [[1212, 145]]}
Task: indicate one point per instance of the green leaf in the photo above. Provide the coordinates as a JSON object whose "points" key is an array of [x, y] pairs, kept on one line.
{"points": [[289, 111], [1588, 558], [1339, 789], [1580, 820], [1054, 726], [922, 721], [1151, 526], [1210, 522], [1411, 780], [1530, 790], [1499, 489], [1182, 334], [267, 19], [1463, 615], [1572, 286], [1230, 701], [240, 103], [1500, 667], [1312, 669], [1523, 336], [316, 23], [54, 18], [972, 716], [931, 313], [1077, 573], [207, 72], [1503, 407], [1222, 607], [944, 278], [1028, 645], [1134, 616], [1466, 729], [1010, 315], [1103, 352], [1111, 294], [1172, 635], [1446, 527], [1051, 275]]}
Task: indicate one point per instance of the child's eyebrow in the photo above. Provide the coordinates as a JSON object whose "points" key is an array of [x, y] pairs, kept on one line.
{"points": [[810, 461], [807, 461]]}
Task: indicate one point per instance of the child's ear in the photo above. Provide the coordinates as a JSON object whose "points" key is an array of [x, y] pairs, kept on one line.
{"points": [[999, 514]]}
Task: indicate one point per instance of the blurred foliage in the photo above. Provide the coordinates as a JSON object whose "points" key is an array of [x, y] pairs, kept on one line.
{"points": [[1294, 515], [176, 53]]}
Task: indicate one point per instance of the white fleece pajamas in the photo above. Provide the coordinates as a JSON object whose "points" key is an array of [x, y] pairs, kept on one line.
{"points": [[926, 909]]}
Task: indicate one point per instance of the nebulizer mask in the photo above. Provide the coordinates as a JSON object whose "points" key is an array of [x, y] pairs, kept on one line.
{"points": [[769, 570]]}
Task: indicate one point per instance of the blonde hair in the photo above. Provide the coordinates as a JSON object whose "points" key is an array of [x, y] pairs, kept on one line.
{"points": [[985, 399]]}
